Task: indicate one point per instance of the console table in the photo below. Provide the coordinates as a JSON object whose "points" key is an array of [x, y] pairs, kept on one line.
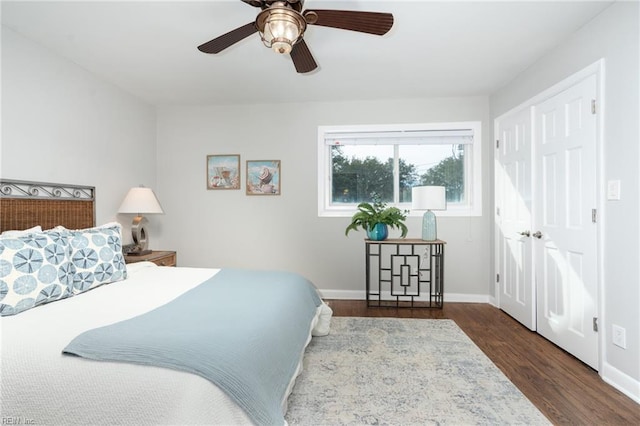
{"points": [[405, 273]]}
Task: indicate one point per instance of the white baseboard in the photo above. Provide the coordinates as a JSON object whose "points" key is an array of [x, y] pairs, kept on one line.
{"points": [[467, 298], [361, 295], [343, 294], [619, 380]]}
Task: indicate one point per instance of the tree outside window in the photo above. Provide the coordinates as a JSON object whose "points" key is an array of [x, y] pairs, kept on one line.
{"points": [[355, 177]]}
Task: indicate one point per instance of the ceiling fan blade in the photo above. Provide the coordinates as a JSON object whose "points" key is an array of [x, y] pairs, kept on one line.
{"points": [[302, 57], [218, 44], [376, 23]]}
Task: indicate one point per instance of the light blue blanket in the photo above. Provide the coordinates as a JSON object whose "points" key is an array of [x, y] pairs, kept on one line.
{"points": [[243, 330]]}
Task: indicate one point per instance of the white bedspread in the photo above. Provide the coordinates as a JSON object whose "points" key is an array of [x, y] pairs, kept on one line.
{"points": [[39, 385]]}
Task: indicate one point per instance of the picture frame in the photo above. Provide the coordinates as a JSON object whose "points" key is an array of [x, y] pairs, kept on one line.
{"points": [[223, 171], [263, 177]]}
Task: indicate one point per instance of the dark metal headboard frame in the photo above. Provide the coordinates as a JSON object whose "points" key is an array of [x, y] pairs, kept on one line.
{"points": [[24, 204]]}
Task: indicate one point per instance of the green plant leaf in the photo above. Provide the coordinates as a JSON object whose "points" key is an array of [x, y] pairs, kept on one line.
{"points": [[369, 214]]}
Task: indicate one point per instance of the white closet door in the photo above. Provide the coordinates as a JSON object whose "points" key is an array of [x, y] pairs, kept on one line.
{"points": [[513, 218], [565, 252]]}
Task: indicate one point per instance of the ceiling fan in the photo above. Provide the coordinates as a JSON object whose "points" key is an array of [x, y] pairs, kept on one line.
{"points": [[282, 23]]}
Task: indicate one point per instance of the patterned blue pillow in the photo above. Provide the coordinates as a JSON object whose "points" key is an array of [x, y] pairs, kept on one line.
{"points": [[96, 255], [34, 270]]}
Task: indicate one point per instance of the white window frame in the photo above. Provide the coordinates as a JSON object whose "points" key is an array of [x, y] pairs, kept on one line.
{"points": [[473, 182]]}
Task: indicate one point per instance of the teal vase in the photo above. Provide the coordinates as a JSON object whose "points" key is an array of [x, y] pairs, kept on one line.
{"points": [[429, 226], [378, 232]]}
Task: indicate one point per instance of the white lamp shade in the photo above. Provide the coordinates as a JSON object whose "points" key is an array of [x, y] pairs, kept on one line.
{"points": [[428, 198], [140, 200]]}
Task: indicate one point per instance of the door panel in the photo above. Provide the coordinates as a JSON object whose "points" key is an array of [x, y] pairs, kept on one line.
{"points": [[513, 195], [575, 203], [549, 184], [565, 256]]}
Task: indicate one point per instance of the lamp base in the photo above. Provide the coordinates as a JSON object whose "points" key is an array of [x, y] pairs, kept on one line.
{"points": [[429, 226], [139, 234]]}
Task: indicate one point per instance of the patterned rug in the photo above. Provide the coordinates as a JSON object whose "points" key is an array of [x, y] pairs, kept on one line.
{"points": [[403, 372]]}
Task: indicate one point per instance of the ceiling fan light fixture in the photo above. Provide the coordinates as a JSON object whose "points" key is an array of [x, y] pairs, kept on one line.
{"points": [[280, 27]]}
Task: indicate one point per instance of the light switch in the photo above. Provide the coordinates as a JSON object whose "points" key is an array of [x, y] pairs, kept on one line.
{"points": [[613, 190]]}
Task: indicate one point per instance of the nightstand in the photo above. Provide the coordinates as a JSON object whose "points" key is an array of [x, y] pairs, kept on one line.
{"points": [[160, 258]]}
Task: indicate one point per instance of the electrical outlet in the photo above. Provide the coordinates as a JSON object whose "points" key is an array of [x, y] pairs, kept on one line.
{"points": [[619, 336]]}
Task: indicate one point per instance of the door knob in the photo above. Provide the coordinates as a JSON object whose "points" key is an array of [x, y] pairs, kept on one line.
{"points": [[537, 234], [525, 233]]}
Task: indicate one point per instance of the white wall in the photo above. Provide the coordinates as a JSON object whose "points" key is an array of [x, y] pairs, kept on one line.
{"points": [[613, 35], [228, 228], [62, 124]]}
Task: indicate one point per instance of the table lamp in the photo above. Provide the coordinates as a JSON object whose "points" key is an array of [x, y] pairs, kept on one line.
{"points": [[429, 198], [140, 201]]}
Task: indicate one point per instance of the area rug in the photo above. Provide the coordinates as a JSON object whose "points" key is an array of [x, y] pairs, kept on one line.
{"points": [[403, 372]]}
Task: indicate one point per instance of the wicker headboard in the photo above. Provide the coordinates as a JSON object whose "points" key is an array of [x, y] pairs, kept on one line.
{"points": [[25, 204]]}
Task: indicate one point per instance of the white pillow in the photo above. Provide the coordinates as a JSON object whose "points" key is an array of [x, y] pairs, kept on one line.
{"points": [[17, 233]]}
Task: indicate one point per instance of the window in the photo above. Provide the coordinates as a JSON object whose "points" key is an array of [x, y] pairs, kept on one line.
{"points": [[357, 163]]}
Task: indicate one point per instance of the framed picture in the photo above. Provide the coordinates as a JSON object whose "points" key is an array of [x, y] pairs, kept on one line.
{"points": [[263, 177], [223, 171]]}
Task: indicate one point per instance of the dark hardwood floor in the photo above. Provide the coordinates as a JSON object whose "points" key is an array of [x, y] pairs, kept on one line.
{"points": [[563, 388]]}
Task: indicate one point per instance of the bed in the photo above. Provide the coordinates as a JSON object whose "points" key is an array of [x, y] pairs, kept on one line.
{"points": [[42, 385]]}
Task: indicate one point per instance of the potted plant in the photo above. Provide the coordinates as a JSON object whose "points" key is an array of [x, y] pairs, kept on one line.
{"points": [[375, 219]]}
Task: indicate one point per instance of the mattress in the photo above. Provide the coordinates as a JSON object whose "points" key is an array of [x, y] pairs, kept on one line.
{"points": [[40, 385]]}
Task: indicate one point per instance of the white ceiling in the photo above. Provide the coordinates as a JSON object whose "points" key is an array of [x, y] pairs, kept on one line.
{"points": [[446, 48]]}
